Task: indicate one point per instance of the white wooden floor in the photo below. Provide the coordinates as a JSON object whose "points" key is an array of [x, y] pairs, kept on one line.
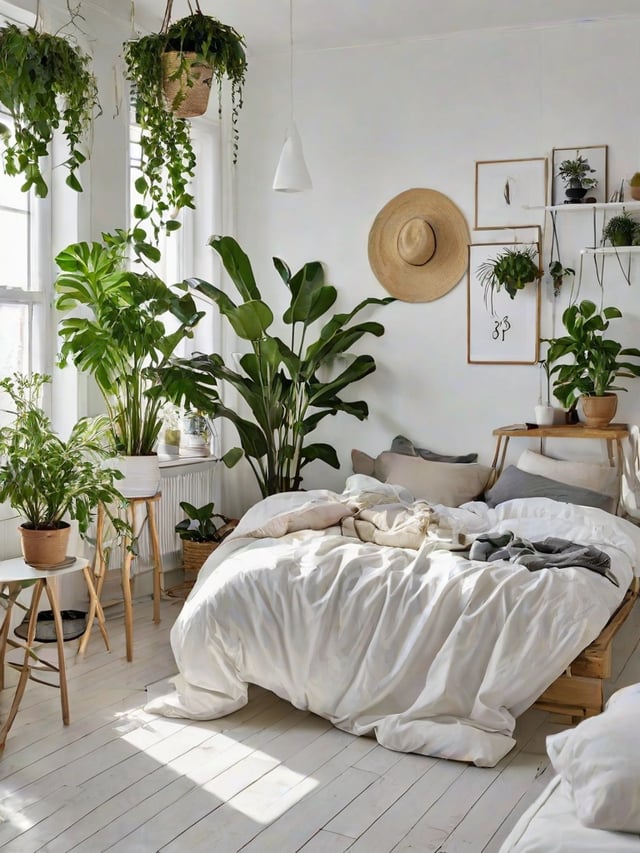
{"points": [[267, 779]]}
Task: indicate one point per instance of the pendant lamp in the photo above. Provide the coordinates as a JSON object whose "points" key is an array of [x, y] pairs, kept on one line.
{"points": [[292, 175]]}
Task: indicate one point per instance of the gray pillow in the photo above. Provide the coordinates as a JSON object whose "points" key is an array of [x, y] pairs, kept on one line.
{"points": [[400, 444], [514, 483]]}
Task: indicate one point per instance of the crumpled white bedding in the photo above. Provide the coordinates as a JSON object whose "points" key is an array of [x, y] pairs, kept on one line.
{"points": [[430, 652]]}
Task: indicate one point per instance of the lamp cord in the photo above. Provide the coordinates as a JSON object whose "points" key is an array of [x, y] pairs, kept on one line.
{"points": [[291, 61]]}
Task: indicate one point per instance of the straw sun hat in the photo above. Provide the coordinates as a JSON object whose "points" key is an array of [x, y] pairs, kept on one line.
{"points": [[418, 245]]}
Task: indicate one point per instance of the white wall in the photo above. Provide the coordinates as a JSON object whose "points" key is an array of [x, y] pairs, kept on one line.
{"points": [[379, 119]]}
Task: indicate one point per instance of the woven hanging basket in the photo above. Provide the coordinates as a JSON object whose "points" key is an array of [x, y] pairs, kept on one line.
{"points": [[187, 94]]}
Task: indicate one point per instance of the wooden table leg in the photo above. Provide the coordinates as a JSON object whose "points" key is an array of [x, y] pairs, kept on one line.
{"points": [[62, 669], [26, 663], [157, 560], [126, 590]]}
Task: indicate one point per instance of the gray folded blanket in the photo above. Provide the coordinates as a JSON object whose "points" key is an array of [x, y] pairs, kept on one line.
{"points": [[551, 552]]}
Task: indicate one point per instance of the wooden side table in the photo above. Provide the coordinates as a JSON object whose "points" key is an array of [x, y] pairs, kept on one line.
{"points": [[13, 575], [613, 435], [100, 565]]}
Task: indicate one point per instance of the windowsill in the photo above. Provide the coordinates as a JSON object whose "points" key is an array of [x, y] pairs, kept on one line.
{"points": [[166, 461]]}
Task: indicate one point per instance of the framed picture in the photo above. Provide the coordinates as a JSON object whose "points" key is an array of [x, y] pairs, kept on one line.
{"points": [[501, 329], [510, 193], [584, 168]]}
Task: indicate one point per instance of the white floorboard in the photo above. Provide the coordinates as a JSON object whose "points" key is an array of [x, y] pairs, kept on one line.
{"points": [[267, 779]]}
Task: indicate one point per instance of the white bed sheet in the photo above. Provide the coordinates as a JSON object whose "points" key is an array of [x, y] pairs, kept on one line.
{"points": [[428, 651], [550, 825]]}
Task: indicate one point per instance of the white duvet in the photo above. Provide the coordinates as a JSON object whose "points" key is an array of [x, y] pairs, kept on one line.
{"points": [[430, 652]]}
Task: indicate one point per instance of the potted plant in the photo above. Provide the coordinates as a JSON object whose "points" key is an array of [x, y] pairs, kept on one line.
{"points": [[47, 480], [46, 83], [161, 67], [621, 230], [511, 269], [200, 535], [634, 184], [574, 174], [596, 362], [545, 412], [279, 382], [558, 274], [121, 338]]}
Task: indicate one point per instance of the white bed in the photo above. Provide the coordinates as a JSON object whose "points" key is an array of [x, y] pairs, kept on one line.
{"points": [[430, 652]]}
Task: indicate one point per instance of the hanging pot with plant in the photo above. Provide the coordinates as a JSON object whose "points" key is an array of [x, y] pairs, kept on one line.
{"points": [[622, 230], [511, 269], [171, 73], [46, 84]]}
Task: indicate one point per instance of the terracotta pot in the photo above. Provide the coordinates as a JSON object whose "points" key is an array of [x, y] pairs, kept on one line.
{"points": [[599, 411], [44, 549], [635, 193]]}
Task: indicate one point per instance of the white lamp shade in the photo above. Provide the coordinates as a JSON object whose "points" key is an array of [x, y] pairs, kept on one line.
{"points": [[292, 175]]}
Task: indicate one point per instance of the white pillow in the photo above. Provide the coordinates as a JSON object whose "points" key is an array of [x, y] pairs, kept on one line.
{"points": [[596, 478], [449, 483], [599, 761]]}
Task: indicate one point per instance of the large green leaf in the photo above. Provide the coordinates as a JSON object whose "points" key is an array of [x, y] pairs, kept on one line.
{"points": [[237, 265]]}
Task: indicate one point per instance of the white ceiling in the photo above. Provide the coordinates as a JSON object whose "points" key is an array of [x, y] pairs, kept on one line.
{"points": [[324, 24]]}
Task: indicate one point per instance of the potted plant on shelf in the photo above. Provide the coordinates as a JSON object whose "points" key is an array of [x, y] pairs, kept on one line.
{"points": [[46, 479], [596, 363], [167, 70], [279, 382], [574, 174], [46, 83], [200, 535], [621, 230], [511, 269], [121, 339], [634, 186]]}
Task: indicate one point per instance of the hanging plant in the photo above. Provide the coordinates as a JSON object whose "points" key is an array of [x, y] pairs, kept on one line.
{"points": [[46, 83], [164, 69], [511, 269]]}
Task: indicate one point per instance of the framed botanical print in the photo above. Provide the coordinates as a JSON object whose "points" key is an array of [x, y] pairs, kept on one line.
{"points": [[510, 193], [503, 311], [579, 175]]}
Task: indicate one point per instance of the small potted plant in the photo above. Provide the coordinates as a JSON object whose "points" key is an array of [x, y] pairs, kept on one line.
{"points": [[574, 174], [558, 274], [622, 230], [168, 69], [200, 535], [47, 480], [596, 362], [634, 186], [511, 269], [46, 83]]}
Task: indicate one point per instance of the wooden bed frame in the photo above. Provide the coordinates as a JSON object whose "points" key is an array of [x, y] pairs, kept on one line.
{"points": [[579, 691]]}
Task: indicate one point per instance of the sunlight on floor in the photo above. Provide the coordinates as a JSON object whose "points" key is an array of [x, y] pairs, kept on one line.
{"points": [[271, 787]]}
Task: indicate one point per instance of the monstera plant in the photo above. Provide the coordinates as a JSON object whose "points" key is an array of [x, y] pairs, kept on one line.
{"points": [[280, 382]]}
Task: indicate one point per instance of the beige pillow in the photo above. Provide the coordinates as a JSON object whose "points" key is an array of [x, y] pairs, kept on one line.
{"points": [[449, 483], [585, 475], [362, 463]]}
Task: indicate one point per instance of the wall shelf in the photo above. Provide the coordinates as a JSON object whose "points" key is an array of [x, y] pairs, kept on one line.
{"points": [[611, 250], [598, 205]]}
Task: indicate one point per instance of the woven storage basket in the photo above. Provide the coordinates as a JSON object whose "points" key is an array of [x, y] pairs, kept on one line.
{"points": [[192, 98], [193, 556]]}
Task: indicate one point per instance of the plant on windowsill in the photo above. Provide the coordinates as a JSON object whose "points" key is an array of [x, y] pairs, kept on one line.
{"points": [[46, 479], [166, 70], [121, 337], [622, 230], [279, 382], [511, 269], [46, 83], [596, 365], [200, 535], [574, 174]]}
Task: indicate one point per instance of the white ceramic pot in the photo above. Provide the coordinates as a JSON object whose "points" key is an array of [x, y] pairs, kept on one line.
{"points": [[544, 415], [141, 475]]}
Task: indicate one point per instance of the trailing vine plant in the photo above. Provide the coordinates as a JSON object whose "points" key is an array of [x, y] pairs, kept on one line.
{"points": [[46, 83]]}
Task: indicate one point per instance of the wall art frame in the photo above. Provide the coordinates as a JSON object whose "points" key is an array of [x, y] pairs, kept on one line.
{"points": [[511, 193], [510, 333], [597, 155]]}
